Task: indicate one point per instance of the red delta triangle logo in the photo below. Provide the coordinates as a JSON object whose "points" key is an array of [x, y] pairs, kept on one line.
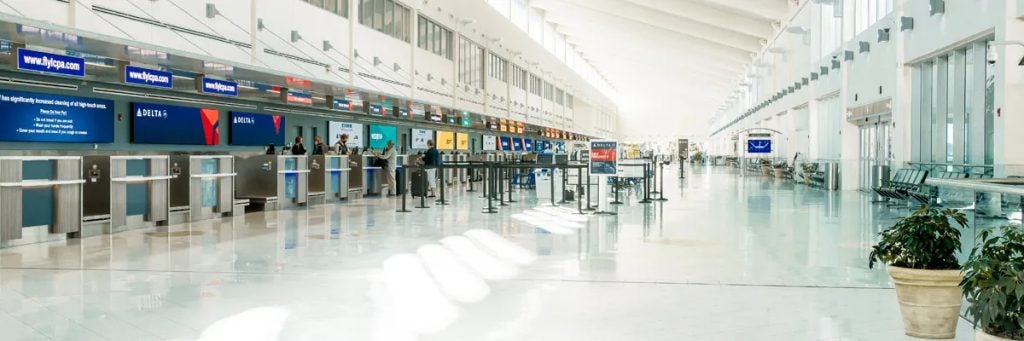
{"points": [[277, 124], [211, 126]]}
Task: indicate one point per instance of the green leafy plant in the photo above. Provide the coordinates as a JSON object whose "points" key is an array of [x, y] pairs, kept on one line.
{"points": [[994, 282], [924, 240]]}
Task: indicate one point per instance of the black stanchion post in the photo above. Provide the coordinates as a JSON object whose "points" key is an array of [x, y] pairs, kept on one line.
{"points": [[401, 188], [490, 182], [579, 189], [661, 191], [616, 182], [501, 187], [512, 175], [564, 181], [469, 172], [590, 207], [441, 201], [647, 194], [654, 176]]}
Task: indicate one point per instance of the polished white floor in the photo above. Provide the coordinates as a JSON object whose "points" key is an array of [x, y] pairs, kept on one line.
{"points": [[726, 258]]}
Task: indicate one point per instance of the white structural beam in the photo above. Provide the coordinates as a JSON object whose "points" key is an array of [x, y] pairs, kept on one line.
{"points": [[753, 25]]}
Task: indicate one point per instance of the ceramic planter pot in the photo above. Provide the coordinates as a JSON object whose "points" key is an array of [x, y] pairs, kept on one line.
{"points": [[930, 301], [983, 336]]}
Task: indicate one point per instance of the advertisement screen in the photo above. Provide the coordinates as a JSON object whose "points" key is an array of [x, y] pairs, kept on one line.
{"points": [[462, 141], [420, 138], [354, 131], [759, 146], [490, 142], [445, 140], [603, 157], [506, 143], [517, 144], [528, 143], [36, 117], [251, 129], [381, 134], [168, 124]]}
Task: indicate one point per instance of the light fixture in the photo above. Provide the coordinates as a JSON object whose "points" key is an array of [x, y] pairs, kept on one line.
{"points": [[211, 11], [327, 46], [296, 36]]}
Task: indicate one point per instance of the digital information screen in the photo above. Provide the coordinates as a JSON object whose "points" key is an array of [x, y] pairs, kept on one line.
{"points": [[445, 140], [490, 142], [462, 141], [251, 129], [354, 131], [420, 138], [381, 134], [168, 124], [759, 146], [38, 117]]}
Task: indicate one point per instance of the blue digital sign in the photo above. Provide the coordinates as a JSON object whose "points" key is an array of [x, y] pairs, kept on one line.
{"points": [[506, 143], [517, 144], [147, 77], [220, 87], [528, 144], [37, 117], [381, 134], [168, 124], [759, 146], [251, 129], [51, 63]]}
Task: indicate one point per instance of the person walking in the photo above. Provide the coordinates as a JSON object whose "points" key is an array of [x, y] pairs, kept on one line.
{"points": [[432, 158]]}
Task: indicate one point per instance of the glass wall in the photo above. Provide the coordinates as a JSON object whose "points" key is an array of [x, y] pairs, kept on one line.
{"points": [[952, 108], [830, 120], [434, 38], [386, 16], [471, 63], [339, 7]]}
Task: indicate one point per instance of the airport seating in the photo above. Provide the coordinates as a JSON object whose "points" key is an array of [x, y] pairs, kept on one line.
{"points": [[905, 185]]}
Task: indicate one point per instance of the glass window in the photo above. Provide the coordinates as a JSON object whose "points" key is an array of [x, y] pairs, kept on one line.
{"points": [[366, 12]]}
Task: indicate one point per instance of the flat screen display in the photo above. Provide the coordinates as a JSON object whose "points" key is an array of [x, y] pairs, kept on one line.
{"points": [[354, 130], [528, 144], [169, 124], [462, 141], [517, 144], [445, 140], [420, 138], [490, 142], [251, 129], [38, 117], [759, 146], [506, 143], [381, 134]]}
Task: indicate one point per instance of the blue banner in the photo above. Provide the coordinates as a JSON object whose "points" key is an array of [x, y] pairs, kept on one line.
{"points": [[517, 144], [51, 63], [220, 87], [381, 134], [528, 143], [147, 77], [36, 117], [250, 129], [506, 143], [759, 146], [168, 124]]}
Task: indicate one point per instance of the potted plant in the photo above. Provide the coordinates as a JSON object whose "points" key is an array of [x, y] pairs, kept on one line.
{"points": [[921, 253], [994, 284]]}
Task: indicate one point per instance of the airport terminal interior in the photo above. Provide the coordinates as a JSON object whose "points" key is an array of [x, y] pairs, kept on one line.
{"points": [[475, 170]]}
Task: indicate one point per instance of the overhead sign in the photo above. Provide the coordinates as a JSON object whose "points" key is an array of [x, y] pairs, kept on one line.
{"points": [[604, 157], [381, 134], [301, 98], [251, 129], [37, 117], [219, 87], [462, 141], [141, 76], [420, 138], [517, 144], [528, 144], [51, 63], [354, 131], [490, 142], [445, 140], [168, 124], [759, 146], [506, 143]]}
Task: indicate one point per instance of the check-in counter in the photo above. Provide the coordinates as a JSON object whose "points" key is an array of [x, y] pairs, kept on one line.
{"points": [[355, 177], [317, 179], [337, 170], [203, 186], [125, 192], [372, 177], [273, 182], [450, 174], [40, 199]]}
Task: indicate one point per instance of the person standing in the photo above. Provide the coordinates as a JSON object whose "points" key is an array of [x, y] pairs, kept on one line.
{"points": [[390, 158], [431, 159], [298, 148], [341, 147], [318, 145]]}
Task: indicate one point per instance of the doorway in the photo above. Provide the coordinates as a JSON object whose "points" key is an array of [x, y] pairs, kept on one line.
{"points": [[875, 151]]}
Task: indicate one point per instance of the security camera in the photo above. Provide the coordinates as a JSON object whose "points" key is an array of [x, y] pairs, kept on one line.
{"points": [[992, 56]]}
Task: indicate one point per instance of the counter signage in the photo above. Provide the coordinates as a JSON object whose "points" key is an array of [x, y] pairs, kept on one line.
{"points": [[251, 129], [759, 146], [490, 142], [603, 157], [506, 143], [354, 130], [420, 138], [220, 87], [37, 117], [381, 134], [445, 140], [142, 76], [342, 104], [528, 144], [517, 144], [51, 63], [295, 97], [462, 141], [168, 124]]}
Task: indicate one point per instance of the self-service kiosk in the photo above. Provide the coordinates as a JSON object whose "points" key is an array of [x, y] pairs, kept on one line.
{"points": [[272, 182]]}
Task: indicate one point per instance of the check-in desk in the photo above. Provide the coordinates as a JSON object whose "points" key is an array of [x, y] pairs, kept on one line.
{"points": [[317, 179], [272, 182], [373, 177], [40, 198], [203, 187], [450, 174], [125, 192], [355, 177], [336, 173]]}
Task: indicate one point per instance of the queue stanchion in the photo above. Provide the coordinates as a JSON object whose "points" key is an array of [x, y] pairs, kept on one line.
{"points": [[423, 198], [490, 200], [511, 176], [401, 188], [579, 189], [616, 181], [647, 194], [654, 175], [551, 183], [471, 171], [564, 181], [661, 192], [501, 187], [590, 207], [440, 201]]}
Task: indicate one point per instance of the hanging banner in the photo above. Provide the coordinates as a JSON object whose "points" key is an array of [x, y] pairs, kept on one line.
{"points": [[604, 157]]}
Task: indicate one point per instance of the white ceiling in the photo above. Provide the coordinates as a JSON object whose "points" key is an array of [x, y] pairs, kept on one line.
{"points": [[673, 62]]}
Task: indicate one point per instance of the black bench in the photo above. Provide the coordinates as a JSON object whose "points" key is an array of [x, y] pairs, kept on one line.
{"points": [[904, 185]]}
